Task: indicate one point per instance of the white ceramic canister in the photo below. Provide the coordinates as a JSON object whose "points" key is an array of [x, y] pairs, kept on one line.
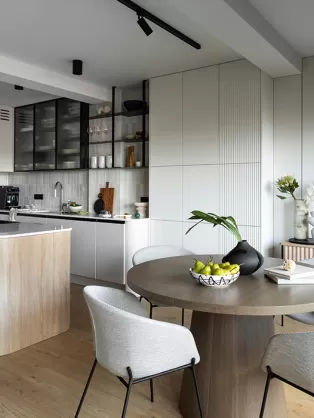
{"points": [[93, 162], [108, 161], [101, 161]]}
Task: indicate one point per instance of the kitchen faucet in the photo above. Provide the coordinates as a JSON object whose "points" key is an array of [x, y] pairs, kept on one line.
{"points": [[61, 193]]}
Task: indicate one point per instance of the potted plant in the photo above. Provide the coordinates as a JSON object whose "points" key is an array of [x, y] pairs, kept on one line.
{"points": [[288, 185], [242, 254]]}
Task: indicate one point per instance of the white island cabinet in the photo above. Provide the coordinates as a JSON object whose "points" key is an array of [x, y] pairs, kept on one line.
{"points": [[99, 249]]}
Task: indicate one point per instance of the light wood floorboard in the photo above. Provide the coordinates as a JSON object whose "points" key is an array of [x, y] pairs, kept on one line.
{"points": [[46, 380]]}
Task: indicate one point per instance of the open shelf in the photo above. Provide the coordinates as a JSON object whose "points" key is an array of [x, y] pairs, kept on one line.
{"points": [[126, 140], [120, 168], [125, 113]]}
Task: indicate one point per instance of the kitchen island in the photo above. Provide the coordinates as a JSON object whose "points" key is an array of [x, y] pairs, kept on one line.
{"points": [[34, 284]]}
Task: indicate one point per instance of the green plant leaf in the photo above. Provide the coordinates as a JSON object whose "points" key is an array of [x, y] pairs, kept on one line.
{"points": [[281, 197]]}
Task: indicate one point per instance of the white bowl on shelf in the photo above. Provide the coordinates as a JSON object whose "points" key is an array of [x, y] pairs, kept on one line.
{"points": [[75, 209], [215, 281]]}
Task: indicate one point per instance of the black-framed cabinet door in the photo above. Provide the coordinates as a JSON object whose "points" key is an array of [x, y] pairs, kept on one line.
{"points": [[24, 138], [68, 134], [45, 136]]}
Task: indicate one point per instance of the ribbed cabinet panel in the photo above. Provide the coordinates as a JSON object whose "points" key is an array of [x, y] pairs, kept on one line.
{"points": [[241, 192], [252, 234], [240, 112]]}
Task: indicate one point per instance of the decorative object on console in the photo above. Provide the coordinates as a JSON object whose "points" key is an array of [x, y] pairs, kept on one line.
{"points": [[93, 162], [108, 161], [101, 161], [99, 204], [288, 185], [131, 105], [131, 158], [311, 222], [141, 209], [108, 197], [243, 254]]}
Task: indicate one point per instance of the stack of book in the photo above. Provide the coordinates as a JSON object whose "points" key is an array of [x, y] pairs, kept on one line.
{"points": [[300, 275]]}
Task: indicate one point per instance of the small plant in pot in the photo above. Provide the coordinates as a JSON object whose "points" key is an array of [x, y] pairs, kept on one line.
{"points": [[243, 254]]}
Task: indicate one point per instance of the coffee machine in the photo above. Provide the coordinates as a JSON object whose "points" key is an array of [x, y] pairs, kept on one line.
{"points": [[9, 197]]}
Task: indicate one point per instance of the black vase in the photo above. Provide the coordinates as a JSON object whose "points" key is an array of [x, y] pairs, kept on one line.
{"points": [[246, 256]]}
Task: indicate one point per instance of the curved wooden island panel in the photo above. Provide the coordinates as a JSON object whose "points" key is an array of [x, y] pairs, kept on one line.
{"points": [[34, 285]]}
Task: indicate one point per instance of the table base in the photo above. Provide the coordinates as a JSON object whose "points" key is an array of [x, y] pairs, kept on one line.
{"points": [[229, 374]]}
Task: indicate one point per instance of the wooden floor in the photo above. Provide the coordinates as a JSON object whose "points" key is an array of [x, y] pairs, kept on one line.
{"points": [[47, 379]]}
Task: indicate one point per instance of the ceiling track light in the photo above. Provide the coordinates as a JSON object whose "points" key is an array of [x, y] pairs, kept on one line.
{"points": [[144, 25], [77, 67], [17, 87], [142, 13]]}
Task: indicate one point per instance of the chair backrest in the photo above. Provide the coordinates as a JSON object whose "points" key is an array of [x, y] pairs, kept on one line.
{"points": [[124, 336], [158, 251]]}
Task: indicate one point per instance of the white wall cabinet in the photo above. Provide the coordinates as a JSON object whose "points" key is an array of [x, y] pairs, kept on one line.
{"points": [[200, 116], [6, 139], [211, 138], [166, 120]]}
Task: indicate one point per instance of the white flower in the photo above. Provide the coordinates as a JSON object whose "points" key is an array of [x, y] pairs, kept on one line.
{"points": [[309, 197]]}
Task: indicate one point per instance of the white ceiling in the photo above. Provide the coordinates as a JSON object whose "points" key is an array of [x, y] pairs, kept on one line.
{"points": [[293, 19], [105, 35], [13, 98]]}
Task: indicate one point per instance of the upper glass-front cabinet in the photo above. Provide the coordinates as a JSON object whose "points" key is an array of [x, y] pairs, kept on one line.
{"points": [[45, 135], [51, 135], [72, 135], [24, 138]]}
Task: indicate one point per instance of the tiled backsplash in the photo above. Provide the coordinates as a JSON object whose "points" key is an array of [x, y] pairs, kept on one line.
{"points": [[80, 186], [130, 185], [75, 187]]}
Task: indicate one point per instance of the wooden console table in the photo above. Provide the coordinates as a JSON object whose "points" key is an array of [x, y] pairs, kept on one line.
{"points": [[297, 252]]}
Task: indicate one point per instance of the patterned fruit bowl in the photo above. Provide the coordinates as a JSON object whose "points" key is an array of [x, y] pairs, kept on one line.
{"points": [[215, 281]]}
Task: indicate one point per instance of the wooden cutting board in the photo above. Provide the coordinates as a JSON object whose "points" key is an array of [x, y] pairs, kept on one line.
{"points": [[108, 197]]}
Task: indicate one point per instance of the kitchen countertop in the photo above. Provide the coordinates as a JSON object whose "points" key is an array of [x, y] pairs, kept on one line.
{"points": [[15, 229], [74, 216]]}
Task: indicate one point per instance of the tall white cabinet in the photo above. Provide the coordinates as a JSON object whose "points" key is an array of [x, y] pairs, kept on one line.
{"points": [[211, 149], [6, 139]]}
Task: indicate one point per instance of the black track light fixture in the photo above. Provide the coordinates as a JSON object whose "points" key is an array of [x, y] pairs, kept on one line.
{"points": [[144, 14], [17, 87], [77, 67], [144, 25]]}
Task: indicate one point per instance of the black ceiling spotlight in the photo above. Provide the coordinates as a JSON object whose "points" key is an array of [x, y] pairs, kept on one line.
{"points": [[144, 25], [17, 87], [77, 67], [142, 13]]}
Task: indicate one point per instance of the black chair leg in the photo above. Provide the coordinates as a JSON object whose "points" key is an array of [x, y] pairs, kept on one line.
{"points": [[269, 377], [282, 321], [86, 388], [151, 390], [196, 387], [182, 319], [151, 310], [127, 396]]}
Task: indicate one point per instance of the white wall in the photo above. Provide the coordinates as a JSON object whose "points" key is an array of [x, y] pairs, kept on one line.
{"points": [[209, 129], [287, 150]]}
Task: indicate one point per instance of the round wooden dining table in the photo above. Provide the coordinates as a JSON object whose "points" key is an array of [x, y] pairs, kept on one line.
{"points": [[231, 327]]}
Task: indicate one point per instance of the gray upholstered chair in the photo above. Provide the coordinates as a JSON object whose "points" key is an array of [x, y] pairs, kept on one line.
{"points": [[290, 358], [154, 253], [132, 346]]}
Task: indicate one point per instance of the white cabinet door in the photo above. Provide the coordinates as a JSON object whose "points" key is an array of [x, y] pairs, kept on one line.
{"points": [[166, 120], [6, 139], [200, 116], [4, 217], [166, 193], [110, 261], [31, 220], [83, 259]]}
